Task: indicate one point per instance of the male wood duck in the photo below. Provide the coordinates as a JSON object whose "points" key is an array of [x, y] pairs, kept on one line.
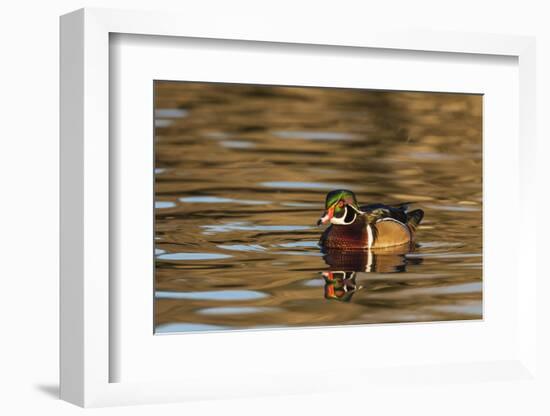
{"points": [[370, 226]]}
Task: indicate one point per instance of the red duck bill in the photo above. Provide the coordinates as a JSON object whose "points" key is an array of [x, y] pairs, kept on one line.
{"points": [[327, 217]]}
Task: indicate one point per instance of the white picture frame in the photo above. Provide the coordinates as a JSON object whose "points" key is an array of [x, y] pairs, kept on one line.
{"points": [[87, 356]]}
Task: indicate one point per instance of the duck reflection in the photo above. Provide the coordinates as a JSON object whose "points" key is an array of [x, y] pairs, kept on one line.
{"points": [[388, 260], [344, 266], [340, 285]]}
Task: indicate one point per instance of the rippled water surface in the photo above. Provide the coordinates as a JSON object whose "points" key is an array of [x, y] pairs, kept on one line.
{"points": [[241, 176]]}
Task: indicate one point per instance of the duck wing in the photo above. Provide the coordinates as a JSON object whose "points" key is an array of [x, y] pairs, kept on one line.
{"points": [[376, 212]]}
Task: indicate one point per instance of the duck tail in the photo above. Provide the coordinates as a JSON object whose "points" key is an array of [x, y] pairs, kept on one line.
{"points": [[414, 218]]}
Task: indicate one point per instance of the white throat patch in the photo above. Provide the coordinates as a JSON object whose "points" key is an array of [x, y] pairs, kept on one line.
{"points": [[342, 220]]}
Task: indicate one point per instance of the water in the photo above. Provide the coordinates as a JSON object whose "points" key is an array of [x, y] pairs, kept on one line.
{"points": [[241, 175]]}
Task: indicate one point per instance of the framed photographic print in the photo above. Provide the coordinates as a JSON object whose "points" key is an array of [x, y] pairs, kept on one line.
{"points": [[246, 215]]}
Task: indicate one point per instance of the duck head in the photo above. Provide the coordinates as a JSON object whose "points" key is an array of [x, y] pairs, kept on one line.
{"points": [[341, 208]]}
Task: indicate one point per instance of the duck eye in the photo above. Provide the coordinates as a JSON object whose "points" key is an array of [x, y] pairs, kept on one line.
{"points": [[340, 204]]}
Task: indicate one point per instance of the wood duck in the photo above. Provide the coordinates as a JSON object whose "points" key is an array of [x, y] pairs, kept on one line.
{"points": [[372, 226]]}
